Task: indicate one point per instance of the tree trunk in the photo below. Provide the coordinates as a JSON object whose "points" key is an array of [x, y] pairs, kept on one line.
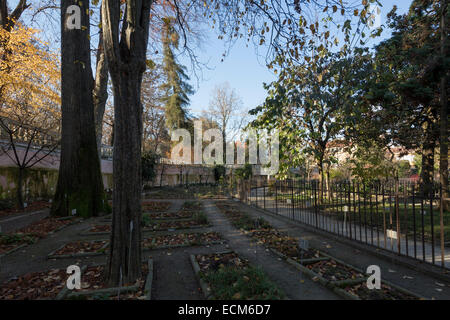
{"points": [[321, 174], [126, 60], [80, 184], [443, 137], [428, 146], [20, 188], [125, 253], [100, 92]]}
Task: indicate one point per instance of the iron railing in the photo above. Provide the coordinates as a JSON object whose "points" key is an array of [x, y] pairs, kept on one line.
{"points": [[394, 216]]}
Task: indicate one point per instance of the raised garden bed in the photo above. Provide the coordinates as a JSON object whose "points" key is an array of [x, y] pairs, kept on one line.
{"points": [[155, 206], [13, 242], [42, 228], [34, 286], [226, 276], [93, 286], [181, 240], [387, 292], [174, 225], [333, 271], [31, 207], [99, 229], [198, 220], [187, 211], [80, 249]]}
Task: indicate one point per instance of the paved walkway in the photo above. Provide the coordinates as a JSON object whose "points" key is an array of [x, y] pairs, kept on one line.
{"points": [[296, 285]]}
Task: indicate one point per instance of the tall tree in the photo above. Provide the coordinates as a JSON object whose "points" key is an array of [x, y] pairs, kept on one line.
{"points": [[225, 109], [125, 38], [406, 83], [443, 142], [176, 87], [80, 184]]}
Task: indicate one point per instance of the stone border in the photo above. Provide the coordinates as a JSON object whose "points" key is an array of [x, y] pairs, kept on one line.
{"points": [[184, 245], [146, 230], [303, 261], [337, 285], [23, 245], [147, 287], [53, 255], [206, 289], [178, 228], [159, 219], [327, 283]]}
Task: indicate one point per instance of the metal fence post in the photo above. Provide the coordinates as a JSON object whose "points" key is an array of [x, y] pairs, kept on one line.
{"points": [[441, 198]]}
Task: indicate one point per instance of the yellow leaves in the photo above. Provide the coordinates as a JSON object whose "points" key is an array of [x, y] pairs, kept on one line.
{"points": [[29, 76]]}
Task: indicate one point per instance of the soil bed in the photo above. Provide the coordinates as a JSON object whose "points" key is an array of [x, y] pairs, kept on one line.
{"points": [[168, 225], [100, 228], [9, 242], [34, 286], [82, 247], [334, 271], [181, 239], [32, 207], [386, 292], [44, 227], [155, 206]]}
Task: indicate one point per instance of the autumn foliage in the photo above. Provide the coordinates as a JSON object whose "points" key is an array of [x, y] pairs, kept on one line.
{"points": [[29, 76]]}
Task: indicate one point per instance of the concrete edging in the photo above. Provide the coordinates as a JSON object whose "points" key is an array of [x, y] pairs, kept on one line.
{"points": [[203, 285], [147, 287], [53, 255]]}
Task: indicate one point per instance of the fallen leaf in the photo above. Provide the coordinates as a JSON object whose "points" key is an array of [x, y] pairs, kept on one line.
{"points": [[237, 296]]}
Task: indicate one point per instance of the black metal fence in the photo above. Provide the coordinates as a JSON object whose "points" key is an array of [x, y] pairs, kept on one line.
{"points": [[394, 216]]}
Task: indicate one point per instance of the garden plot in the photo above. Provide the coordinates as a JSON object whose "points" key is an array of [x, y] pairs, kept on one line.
{"points": [[93, 286], [387, 292], [79, 249], [226, 276], [10, 242], [34, 286], [198, 220], [155, 206], [181, 240], [187, 211], [8, 208], [193, 191], [13, 242]]}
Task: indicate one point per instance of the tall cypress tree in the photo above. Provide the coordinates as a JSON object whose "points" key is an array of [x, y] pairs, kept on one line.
{"points": [[176, 87]]}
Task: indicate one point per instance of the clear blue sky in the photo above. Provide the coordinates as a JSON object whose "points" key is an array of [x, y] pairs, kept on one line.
{"points": [[242, 68]]}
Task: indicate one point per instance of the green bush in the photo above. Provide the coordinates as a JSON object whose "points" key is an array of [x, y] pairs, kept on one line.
{"points": [[243, 284], [200, 218]]}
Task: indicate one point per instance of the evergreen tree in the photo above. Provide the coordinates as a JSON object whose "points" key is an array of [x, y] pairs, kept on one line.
{"points": [[176, 87]]}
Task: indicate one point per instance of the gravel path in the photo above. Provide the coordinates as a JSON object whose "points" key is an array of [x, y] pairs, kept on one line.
{"points": [[296, 285]]}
